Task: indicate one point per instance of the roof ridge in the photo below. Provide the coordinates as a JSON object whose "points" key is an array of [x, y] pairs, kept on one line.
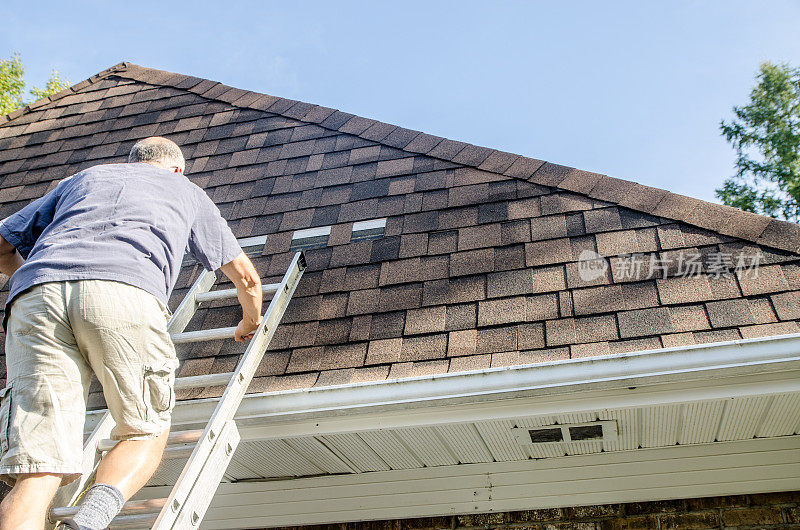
{"points": [[73, 89], [718, 218]]}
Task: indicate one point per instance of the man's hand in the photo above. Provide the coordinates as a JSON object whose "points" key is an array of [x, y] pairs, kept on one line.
{"points": [[248, 291], [244, 330]]}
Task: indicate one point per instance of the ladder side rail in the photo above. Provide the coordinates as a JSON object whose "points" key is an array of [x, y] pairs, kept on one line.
{"points": [[211, 475], [69, 495], [232, 396], [188, 306]]}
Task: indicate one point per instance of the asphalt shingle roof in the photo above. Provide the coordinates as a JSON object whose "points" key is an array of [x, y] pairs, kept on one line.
{"points": [[478, 266]]}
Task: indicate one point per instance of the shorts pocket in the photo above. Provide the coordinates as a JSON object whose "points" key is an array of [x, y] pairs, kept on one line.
{"points": [[159, 387], [5, 418]]}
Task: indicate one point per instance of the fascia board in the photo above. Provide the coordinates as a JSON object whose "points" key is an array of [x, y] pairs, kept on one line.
{"points": [[744, 367]]}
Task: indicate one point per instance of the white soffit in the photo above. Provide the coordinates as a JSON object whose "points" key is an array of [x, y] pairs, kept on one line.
{"points": [[729, 468]]}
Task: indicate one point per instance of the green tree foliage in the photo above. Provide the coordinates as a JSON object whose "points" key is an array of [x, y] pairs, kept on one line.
{"points": [[12, 85], [766, 136]]}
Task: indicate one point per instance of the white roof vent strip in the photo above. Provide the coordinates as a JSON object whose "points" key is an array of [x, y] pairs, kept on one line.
{"points": [[372, 229], [310, 238]]}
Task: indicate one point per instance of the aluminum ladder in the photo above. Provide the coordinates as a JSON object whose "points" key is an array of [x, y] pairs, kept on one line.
{"points": [[209, 450]]}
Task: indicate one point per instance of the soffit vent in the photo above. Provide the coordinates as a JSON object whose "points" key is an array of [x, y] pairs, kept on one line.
{"points": [[605, 431], [251, 246]]}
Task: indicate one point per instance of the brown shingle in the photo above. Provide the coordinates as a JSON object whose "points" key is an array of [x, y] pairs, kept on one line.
{"points": [[387, 325], [501, 311], [425, 320], [467, 289], [400, 271], [530, 336], [626, 242], [546, 279], [461, 316], [602, 220], [716, 335], [344, 376], [305, 359], [424, 347], [767, 330], [523, 167], [696, 288], [498, 161], [688, 318], [762, 311], [635, 345], [412, 245], [642, 322], [360, 328], [434, 267], [418, 369], [675, 340], [435, 292], [579, 277], [490, 340], [515, 232], [572, 330], [592, 349], [384, 351], [565, 305], [470, 363], [509, 257], [479, 237], [563, 203], [466, 195], [471, 262], [729, 313], [524, 208], [548, 252], [509, 283], [344, 355], [362, 302], [615, 298], [541, 307], [407, 296], [762, 280], [462, 342], [517, 358], [787, 305], [549, 227]]}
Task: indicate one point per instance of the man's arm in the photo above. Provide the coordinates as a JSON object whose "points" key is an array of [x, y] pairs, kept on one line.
{"points": [[10, 259], [248, 289]]}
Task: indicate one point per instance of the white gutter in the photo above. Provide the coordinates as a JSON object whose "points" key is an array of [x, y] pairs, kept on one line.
{"points": [[758, 366]]}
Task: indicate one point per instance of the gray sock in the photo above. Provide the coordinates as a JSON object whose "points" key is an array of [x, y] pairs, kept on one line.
{"points": [[100, 505]]}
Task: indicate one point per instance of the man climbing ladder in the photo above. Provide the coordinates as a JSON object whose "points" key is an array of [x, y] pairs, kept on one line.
{"points": [[93, 263]]}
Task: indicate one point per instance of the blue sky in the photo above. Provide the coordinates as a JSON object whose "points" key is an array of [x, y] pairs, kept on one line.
{"points": [[632, 89]]}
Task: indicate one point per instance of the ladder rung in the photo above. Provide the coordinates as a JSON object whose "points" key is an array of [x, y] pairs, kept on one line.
{"points": [[222, 294], [203, 334], [149, 506], [202, 381], [143, 520], [178, 451], [174, 438]]}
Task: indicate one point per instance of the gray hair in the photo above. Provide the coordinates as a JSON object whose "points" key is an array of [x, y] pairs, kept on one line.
{"points": [[159, 150]]}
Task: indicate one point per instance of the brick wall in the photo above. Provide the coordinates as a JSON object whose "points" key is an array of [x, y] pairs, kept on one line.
{"points": [[769, 510]]}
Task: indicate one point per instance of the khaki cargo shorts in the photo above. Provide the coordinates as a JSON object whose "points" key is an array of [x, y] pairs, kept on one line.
{"points": [[58, 335]]}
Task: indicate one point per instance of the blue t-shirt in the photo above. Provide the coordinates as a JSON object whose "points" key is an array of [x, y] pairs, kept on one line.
{"points": [[124, 222]]}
